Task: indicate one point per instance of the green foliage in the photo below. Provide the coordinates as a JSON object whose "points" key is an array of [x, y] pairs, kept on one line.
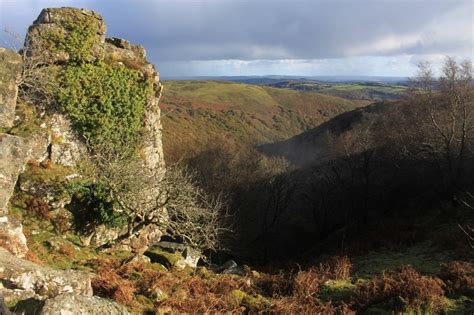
{"points": [[336, 290], [79, 39], [105, 103], [253, 303], [353, 91], [94, 206], [28, 124], [424, 257], [52, 174]]}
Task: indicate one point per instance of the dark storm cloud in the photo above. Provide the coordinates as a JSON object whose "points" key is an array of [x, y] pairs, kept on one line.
{"points": [[299, 29], [206, 30], [275, 29]]}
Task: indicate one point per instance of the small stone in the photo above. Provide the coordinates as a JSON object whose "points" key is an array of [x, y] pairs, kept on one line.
{"points": [[138, 259], [159, 295], [230, 267]]}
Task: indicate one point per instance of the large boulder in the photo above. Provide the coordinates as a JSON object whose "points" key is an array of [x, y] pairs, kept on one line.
{"points": [[12, 159], [10, 70], [70, 304], [174, 255], [12, 237], [22, 276]]}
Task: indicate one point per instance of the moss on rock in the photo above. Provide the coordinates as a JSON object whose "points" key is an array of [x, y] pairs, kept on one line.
{"points": [[336, 290], [252, 303], [67, 34], [167, 259]]}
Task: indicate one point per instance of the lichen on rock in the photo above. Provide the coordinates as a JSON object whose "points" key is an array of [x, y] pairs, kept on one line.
{"points": [[10, 70], [66, 34], [44, 282], [76, 304], [12, 160]]}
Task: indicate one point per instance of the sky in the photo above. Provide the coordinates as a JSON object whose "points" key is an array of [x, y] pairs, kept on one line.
{"points": [[277, 37]]}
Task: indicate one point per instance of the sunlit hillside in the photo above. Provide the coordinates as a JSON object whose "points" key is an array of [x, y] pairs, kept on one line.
{"points": [[198, 112]]}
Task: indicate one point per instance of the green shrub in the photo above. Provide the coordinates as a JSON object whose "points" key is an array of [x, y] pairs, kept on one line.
{"points": [[105, 103], [79, 39], [92, 205]]}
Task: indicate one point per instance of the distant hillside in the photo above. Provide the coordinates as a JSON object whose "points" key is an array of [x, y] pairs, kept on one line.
{"points": [[313, 146], [276, 78], [196, 113], [350, 90]]}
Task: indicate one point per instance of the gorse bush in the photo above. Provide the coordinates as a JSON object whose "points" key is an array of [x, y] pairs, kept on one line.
{"points": [[105, 103]]}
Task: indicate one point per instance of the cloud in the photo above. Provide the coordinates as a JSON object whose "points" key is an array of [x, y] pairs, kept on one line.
{"points": [[181, 31]]}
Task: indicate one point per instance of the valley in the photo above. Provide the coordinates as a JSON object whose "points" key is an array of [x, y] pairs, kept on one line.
{"points": [[199, 113], [124, 192]]}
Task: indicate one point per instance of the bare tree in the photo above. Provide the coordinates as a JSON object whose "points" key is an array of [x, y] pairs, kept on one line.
{"points": [[450, 106], [277, 198], [468, 231], [169, 199], [195, 217], [37, 82], [353, 163], [448, 125]]}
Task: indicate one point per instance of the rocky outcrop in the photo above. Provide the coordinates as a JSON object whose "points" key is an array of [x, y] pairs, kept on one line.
{"points": [[10, 69], [65, 147], [53, 144], [66, 304], [41, 290], [12, 160], [13, 152], [20, 276], [56, 22]]}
